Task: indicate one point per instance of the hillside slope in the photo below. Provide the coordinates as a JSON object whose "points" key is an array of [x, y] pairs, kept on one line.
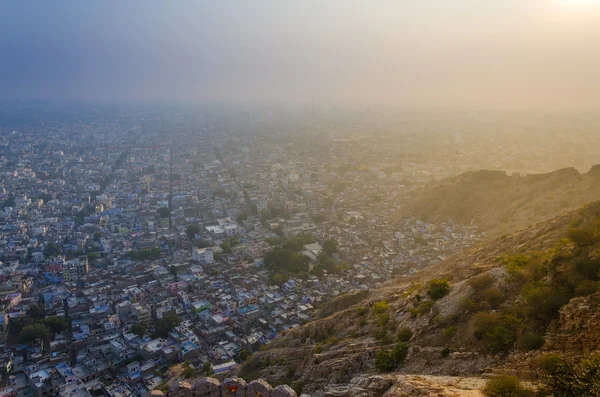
{"points": [[498, 203], [507, 301]]}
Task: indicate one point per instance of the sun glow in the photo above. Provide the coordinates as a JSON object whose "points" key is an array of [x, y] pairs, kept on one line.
{"points": [[579, 4]]}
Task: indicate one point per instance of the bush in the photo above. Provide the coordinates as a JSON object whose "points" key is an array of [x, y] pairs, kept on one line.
{"points": [[506, 386], [445, 352], [399, 352], [384, 361], [361, 311], [561, 378], [543, 303], [498, 331], [424, 307], [404, 334], [437, 289], [481, 282], [383, 319], [586, 287], [189, 373], [532, 341], [468, 305], [494, 297], [380, 307], [582, 236], [587, 268], [450, 331], [387, 361]]}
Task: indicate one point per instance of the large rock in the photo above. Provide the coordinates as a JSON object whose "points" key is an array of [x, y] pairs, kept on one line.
{"points": [[181, 389], [259, 388], [283, 391], [234, 387], [207, 387]]}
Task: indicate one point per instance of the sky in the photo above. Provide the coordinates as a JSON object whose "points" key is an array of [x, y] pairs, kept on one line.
{"points": [[541, 53]]}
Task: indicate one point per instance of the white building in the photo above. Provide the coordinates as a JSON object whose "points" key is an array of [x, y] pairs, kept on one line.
{"points": [[203, 255]]}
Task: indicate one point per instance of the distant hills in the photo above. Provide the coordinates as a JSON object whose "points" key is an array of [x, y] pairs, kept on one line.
{"points": [[499, 203]]}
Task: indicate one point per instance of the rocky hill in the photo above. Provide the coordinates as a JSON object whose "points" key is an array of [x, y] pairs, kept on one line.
{"points": [[496, 307], [499, 203]]}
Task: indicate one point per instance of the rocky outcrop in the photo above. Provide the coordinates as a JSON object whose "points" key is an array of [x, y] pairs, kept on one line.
{"points": [[404, 386], [211, 387], [578, 327]]}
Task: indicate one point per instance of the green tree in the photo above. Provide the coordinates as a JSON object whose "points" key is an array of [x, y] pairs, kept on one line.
{"points": [[242, 217], [207, 368], [203, 244], [245, 355], [164, 325], [226, 247], [51, 249], [36, 312], [173, 271], [189, 373], [330, 246], [192, 230], [138, 329], [33, 332], [163, 212], [55, 324], [298, 263]]}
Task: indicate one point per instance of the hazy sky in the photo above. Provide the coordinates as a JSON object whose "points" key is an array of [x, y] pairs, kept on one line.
{"points": [[423, 52]]}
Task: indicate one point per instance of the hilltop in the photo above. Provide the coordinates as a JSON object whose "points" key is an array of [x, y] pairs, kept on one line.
{"points": [[499, 203], [496, 307]]}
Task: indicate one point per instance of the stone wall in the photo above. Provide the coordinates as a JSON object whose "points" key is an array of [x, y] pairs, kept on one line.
{"points": [[211, 387]]}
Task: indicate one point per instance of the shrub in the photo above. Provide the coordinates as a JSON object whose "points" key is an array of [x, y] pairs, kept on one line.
{"points": [[361, 311], [297, 386], [582, 236], [437, 289], [189, 373], [498, 331], [384, 361], [424, 307], [543, 302], [468, 305], [532, 341], [445, 352], [481, 282], [383, 319], [399, 352], [404, 334], [506, 386], [561, 378], [493, 297], [586, 287], [450, 331], [380, 333], [587, 268], [380, 307], [548, 362]]}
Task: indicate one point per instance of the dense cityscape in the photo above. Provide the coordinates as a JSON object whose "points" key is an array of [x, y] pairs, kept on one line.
{"points": [[126, 249]]}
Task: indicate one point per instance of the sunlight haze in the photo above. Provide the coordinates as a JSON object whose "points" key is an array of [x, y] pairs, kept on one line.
{"points": [[458, 52]]}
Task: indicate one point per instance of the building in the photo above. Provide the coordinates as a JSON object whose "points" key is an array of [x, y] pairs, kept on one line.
{"points": [[75, 269], [203, 255]]}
